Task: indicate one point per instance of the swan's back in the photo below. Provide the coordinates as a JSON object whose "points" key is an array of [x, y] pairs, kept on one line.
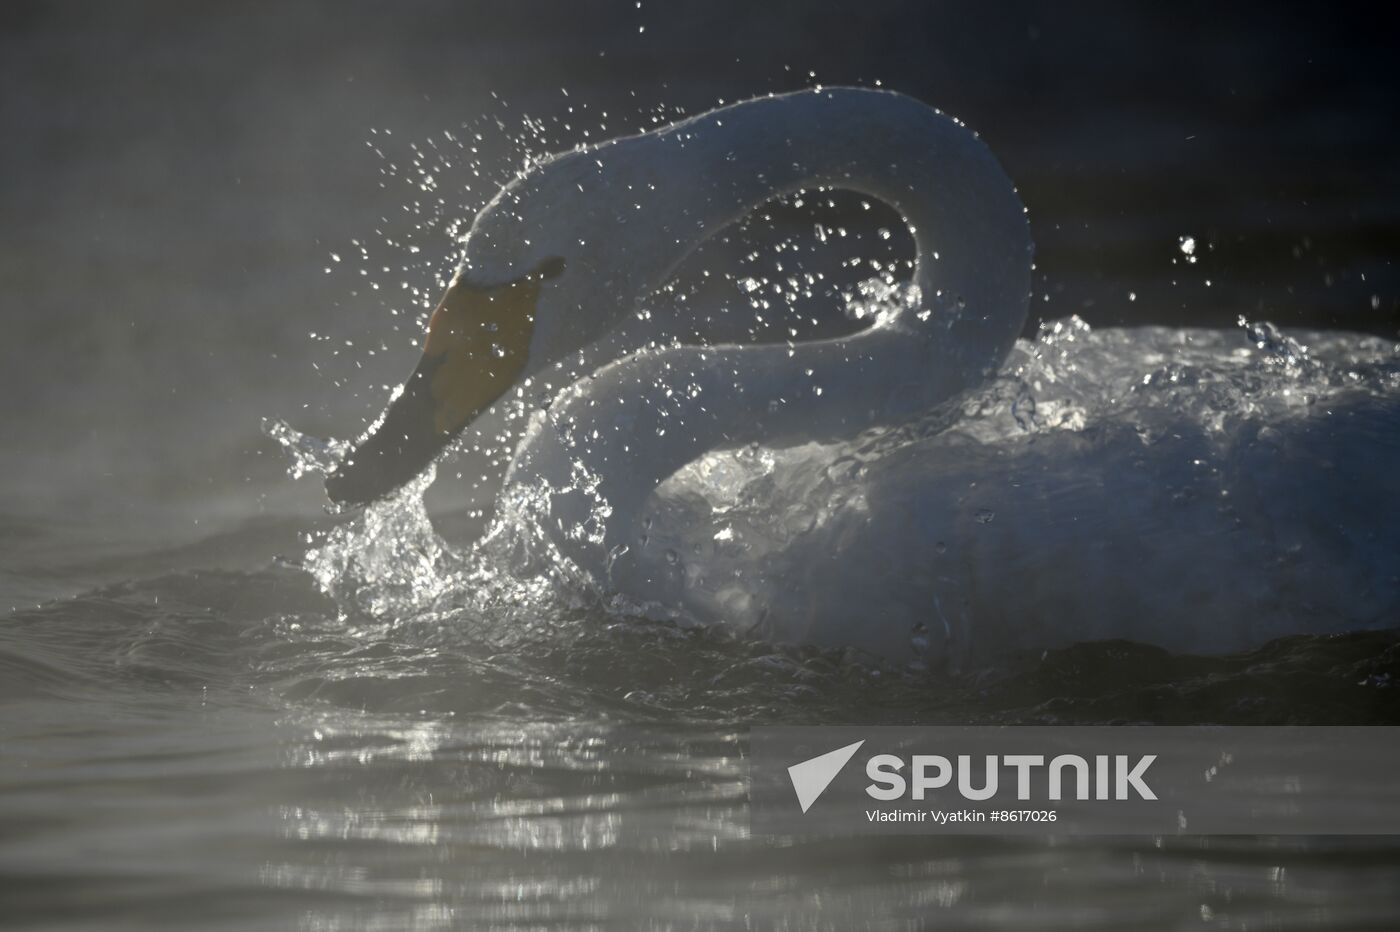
{"points": [[1225, 502]]}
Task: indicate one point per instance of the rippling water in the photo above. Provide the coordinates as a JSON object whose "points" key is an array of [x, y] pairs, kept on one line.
{"points": [[225, 745], [370, 728]]}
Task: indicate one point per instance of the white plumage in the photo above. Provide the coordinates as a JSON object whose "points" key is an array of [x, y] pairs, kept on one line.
{"points": [[891, 492]]}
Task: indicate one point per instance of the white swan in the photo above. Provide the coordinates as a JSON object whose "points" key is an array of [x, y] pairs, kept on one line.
{"points": [[572, 247]]}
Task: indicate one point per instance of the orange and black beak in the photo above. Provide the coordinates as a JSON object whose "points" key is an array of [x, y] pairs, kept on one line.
{"points": [[476, 348]]}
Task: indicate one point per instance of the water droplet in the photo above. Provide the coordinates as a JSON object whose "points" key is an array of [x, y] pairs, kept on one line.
{"points": [[672, 557]]}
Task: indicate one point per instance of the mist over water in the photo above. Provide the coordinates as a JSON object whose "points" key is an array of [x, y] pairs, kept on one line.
{"points": [[222, 707]]}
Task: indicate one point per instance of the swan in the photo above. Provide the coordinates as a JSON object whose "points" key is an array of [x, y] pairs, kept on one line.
{"points": [[1093, 538]]}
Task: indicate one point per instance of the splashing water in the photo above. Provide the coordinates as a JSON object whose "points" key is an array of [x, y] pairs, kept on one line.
{"points": [[308, 454], [719, 530], [387, 560]]}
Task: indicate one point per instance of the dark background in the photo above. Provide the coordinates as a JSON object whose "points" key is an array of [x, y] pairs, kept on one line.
{"points": [[174, 177]]}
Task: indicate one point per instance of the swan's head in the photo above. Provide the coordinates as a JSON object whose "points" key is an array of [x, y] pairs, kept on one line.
{"points": [[547, 268]]}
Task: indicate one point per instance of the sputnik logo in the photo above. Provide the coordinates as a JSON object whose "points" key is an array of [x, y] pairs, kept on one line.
{"points": [[811, 777]]}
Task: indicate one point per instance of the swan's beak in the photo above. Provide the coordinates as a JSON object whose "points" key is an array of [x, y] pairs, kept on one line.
{"points": [[477, 345]]}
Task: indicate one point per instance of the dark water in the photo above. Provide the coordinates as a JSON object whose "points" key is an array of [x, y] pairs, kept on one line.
{"points": [[193, 735]]}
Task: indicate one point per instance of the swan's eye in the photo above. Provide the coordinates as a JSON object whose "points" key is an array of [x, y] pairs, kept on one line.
{"points": [[552, 267]]}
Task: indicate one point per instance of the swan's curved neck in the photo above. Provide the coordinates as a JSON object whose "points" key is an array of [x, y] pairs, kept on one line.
{"points": [[970, 231], [641, 418]]}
